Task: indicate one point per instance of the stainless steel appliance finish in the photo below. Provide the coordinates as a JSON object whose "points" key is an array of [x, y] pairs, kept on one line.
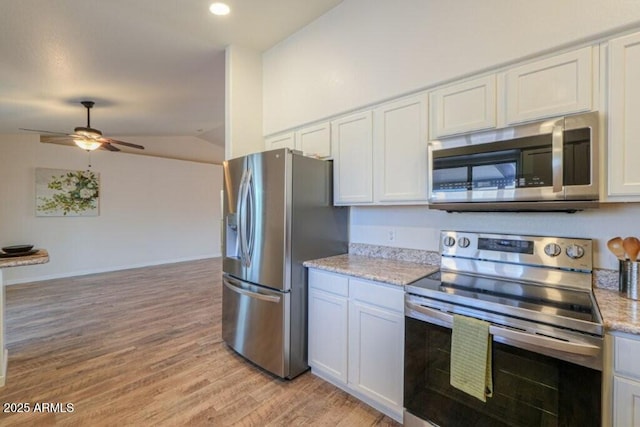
{"points": [[545, 166], [277, 212], [536, 294]]}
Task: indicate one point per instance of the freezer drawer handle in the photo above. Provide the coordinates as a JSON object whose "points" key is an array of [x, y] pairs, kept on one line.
{"points": [[269, 298]]}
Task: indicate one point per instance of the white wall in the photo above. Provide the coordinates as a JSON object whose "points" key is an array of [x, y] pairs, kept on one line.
{"points": [[417, 227], [152, 210], [243, 102], [364, 51], [176, 147]]}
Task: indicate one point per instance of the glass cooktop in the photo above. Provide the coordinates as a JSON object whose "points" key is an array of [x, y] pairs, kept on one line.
{"points": [[569, 308]]}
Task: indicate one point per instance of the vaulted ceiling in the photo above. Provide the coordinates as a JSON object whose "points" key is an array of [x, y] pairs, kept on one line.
{"points": [[153, 67]]}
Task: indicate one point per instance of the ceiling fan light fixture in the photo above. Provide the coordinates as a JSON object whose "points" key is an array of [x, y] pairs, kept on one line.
{"points": [[88, 145], [88, 132], [219, 9]]}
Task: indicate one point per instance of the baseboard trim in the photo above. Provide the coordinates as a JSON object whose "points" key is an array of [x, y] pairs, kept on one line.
{"points": [[107, 269]]}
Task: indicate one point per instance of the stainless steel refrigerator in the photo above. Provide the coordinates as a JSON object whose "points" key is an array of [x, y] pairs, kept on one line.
{"points": [[277, 213]]}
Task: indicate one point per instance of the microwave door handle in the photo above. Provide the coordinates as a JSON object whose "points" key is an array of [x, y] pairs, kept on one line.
{"points": [[508, 336], [557, 152]]}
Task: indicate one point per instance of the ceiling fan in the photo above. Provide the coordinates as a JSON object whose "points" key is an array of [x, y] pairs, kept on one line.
{"points": [[87, 137]]}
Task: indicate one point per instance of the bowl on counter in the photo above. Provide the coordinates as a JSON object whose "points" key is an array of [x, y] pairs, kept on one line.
{"points": [[16, 249]]}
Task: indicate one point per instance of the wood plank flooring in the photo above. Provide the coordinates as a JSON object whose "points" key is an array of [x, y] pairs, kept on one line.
{"points": [[143, 347]]}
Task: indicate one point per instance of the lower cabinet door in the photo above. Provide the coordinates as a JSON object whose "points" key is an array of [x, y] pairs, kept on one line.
{"points": [[376, 343], [626, 397], [328, 334]]}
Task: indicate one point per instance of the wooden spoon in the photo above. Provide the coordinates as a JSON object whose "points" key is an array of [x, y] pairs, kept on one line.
{"points": [[631, 246], [615, 246]]}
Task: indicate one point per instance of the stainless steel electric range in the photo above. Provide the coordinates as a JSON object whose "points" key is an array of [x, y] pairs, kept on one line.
{"points": [[547, 334]]}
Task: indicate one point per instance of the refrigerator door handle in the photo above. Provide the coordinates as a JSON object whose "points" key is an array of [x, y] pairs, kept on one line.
{"points": [[242, 217], [239, 217], [229, 283], [250, 202]]}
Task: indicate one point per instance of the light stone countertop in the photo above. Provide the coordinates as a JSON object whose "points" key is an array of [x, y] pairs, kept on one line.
{"points": [[401, 267], [382, 270], [40, 257], [618, 313]]}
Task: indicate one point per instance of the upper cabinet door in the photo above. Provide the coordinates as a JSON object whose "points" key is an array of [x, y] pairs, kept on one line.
{"points": [[624, 114], [352, 148], [283, 140], [551, 87], [400, 150], [463, 107], [315, 141]]}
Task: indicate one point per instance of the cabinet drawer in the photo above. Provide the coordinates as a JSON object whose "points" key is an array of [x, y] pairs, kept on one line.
{"points": [[391, 297], [329, 282], [626, 357]]}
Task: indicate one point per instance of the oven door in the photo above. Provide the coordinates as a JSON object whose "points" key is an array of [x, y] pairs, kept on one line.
{"points": [[529, 388]]}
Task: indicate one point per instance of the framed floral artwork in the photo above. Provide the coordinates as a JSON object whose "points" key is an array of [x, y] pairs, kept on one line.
{"points": [[61, 192]]}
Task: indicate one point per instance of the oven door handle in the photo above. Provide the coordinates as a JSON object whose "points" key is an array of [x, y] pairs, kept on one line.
{"points": [[507, 336]]}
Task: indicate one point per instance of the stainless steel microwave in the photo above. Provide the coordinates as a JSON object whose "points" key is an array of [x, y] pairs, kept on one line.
{"points": [[544, 166]]}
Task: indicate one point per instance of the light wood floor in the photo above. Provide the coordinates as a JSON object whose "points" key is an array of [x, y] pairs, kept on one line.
{"points": [[143, 347]]}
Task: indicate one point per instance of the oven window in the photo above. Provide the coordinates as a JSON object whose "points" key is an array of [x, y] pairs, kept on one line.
{"points": [[529, 389]]}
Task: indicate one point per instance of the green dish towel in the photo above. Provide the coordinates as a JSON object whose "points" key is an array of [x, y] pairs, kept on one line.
{"points": [[471, 357]]}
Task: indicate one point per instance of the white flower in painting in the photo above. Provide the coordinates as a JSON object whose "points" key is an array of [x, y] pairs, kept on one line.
{"points": [[85, 193], [68, 186]]}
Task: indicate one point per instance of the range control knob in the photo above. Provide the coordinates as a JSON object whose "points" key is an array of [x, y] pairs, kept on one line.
{"points": [[552, 249], [464, 242], [575, 251], [449, 241]]}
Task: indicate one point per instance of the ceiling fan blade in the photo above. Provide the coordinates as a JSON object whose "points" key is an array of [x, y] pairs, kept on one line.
{"points": [[56, 139], [107, 146], [126, 144], [45, 131]]}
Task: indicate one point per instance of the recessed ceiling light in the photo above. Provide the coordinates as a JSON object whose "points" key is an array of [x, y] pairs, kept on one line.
{"points": [[219, 9]]}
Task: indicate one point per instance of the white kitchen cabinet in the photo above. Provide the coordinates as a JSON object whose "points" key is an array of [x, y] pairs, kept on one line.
{"points": [[315, 141], [555, 86], [463, 107], [376, 342], [627, 402], [352, 148], [624, 111], [380, 156], [400, 151], [284, 140], [328, 308], [626, 380], [356, 338]]}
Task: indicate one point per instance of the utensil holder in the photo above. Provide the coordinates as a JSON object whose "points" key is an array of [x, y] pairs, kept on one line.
{"points": [[629, 279]]}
